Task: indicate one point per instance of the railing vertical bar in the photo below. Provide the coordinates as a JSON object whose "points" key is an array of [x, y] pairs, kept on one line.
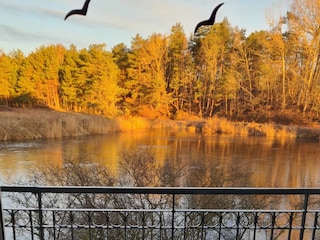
{"points": [[172, 220], [90, 224], [290, 226], [144, 224], [13, 224], [1, 220], [238, 226], [41, 230], [185, 226], [220, 224], [13, 213], [304, 215], [315, 225], [125, 216], [255, 225], [31, 225], [54, 225], [162, 216], [202, 225], [272, 225], [108, 225], [71, 225]]}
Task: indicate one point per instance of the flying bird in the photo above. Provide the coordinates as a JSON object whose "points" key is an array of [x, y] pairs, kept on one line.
{"points": [[210, 21], [82, 11]]}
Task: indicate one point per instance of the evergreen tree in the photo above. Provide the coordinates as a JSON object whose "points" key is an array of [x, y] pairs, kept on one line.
{"points": [[70, 87], [5, 76], [179, 71], [104, 77], [39, 79], [211, 61]]}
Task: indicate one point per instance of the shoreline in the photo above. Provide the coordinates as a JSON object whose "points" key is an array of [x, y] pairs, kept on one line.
{"points": [[23, 124]]}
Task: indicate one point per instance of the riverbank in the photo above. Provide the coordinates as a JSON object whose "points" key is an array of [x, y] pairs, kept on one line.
{"points": [[42, 123], [17, 124]]}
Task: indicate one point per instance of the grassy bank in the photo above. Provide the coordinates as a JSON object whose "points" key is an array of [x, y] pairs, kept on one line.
{"points": [[30, 124]]}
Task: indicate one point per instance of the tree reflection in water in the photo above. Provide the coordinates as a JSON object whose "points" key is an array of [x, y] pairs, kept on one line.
{"points": [[139, 168]]}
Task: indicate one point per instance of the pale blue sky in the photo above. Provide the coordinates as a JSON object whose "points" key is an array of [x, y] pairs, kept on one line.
{"points": [[28, 24]]}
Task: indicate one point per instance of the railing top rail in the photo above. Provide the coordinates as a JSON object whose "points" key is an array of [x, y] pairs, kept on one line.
{"points": [[161, 190], [158, 210]]}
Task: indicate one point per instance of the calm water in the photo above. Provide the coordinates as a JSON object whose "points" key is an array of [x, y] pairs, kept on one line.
{"points": [[228, 161]]}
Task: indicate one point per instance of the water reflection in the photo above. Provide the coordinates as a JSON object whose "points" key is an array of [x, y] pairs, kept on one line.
{"points": [[214, 160]]}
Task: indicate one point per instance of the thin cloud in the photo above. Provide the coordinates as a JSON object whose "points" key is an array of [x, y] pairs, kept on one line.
{"points": [[144, 16], [10, 33], [114, 21]]}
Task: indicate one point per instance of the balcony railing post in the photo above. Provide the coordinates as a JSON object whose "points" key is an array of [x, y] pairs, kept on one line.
{"points": [[304, 215], [1, 220], [41, 231], [172, 223]]}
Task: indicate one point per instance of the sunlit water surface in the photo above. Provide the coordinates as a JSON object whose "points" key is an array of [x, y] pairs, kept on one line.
{"points": [[246, 161]]}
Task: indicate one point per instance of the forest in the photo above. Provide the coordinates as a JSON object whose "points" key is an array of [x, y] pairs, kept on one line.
{"points": [[267, 75]]}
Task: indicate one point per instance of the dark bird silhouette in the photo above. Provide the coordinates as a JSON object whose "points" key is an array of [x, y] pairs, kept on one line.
{"points": [[82, 11], [210, 21]]}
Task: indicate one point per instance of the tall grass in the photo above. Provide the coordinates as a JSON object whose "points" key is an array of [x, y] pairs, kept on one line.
{"points": [[222, 125], [25, 124], [131, 123]]}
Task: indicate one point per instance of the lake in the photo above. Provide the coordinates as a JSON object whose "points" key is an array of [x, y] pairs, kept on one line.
{"points": [[215, 160]]}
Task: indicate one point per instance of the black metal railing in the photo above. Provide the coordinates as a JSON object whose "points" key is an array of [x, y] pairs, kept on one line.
{"points": [[159, 213]]}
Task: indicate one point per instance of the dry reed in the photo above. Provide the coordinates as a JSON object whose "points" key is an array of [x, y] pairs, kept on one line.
{"points": [[27, 124], [222, 125]]}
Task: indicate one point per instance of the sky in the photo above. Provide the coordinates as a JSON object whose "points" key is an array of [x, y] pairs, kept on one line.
{"points": [[28, 24]]}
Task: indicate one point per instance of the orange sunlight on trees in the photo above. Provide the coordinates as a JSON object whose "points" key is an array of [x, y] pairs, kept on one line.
{"points": [[221, 71]]}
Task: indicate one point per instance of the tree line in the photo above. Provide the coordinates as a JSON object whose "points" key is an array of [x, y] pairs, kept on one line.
{"points": [[219, 71]]}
